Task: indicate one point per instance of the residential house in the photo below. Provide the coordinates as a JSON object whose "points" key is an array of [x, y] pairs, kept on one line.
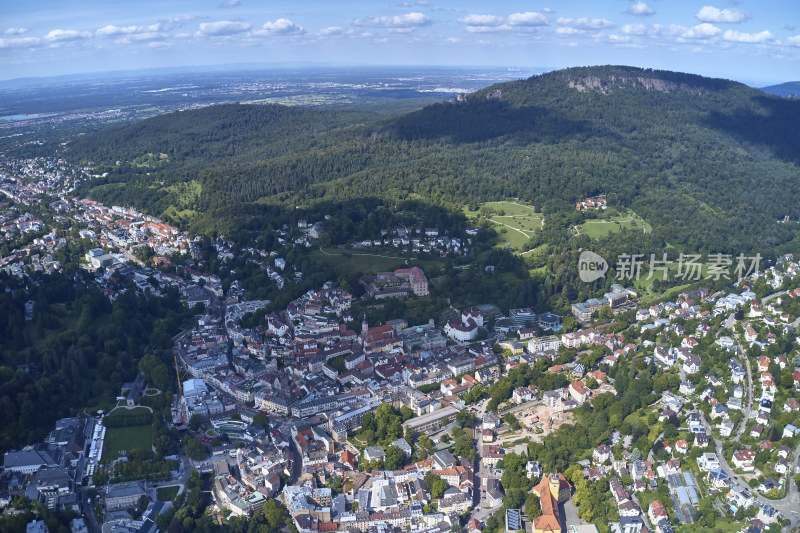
{"points": [[709, 462], [374, 453], [579, 392], [743, 459]]}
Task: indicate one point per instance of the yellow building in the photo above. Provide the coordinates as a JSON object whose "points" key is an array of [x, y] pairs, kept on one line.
{"points": [[551, 490]]}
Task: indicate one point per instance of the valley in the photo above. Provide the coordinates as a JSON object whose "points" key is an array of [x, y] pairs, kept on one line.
{"points": [[309, 303]]}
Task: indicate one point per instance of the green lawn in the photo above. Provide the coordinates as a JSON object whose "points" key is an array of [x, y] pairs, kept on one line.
{"points": [[348, 262], [721, 524], [515, 222], [121, 413], [175, 213], [127, 438], [644, 285], [166, 494], [599, 228], [507, 207], [514, 237]]}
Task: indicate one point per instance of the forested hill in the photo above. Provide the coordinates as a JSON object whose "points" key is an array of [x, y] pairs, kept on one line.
{"points": [[790, 89], [711, 164]]}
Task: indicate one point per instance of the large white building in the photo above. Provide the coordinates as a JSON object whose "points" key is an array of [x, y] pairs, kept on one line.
{"points": [[541, 344], [465, 329]]}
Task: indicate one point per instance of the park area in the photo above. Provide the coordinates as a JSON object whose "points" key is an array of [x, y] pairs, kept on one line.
{"points": [[515, 222], [602, 227], [126, 433], [167, 494]]}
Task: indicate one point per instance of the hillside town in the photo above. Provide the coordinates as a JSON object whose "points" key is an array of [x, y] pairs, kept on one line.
{"points": [[430, 427]]}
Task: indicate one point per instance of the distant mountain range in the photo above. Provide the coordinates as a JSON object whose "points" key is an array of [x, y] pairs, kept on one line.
{"points": [[712, 164], [790, 88]]}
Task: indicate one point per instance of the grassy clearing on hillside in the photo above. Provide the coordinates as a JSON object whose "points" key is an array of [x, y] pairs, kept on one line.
{"points": [[599, 228], [515, 222], [174, 213], [651, 294]]}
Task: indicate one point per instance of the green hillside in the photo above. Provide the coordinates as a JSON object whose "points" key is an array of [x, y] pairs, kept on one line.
{"points": [[711, 164], [790, 89]]}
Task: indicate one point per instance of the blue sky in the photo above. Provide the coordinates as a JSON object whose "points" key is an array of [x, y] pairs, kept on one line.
{"points": [[755, 42]]}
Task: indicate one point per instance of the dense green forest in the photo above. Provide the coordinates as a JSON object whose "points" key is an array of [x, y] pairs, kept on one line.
{"points": [[76, 351], [711, 164]]}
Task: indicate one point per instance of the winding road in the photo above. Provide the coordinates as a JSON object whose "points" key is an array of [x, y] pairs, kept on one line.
{"points": [[789, 505]]}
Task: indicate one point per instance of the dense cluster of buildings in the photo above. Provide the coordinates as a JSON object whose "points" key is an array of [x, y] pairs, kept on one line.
{"points": [[50, 472], [318, 379], [256, 478], [397, 284], [615, 298], [381, 498]]}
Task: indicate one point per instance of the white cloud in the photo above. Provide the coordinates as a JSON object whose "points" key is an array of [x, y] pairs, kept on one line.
{"points": [[114, 30], [49, 40], [584, 23], [482, 20], [566, 30], [742, 37], [493, 23], [453, 40], [111, 30], [408, 20], [640, 9], [422, 3], [331, 30], [487, 29], [223, 27], [634, 29], [282, 27], [231, 3], [701, 31], [713, 14], [179, 20], [618, 38], [547, 10], [794, 41], [529, 19], [15, 31], [65, 35], [23, 42]]}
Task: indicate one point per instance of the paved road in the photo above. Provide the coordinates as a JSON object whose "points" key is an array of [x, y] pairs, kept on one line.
{"points": [[747, 411], [767, 298], [88, 511], [789, 506], [650, 453], [478, 512]]}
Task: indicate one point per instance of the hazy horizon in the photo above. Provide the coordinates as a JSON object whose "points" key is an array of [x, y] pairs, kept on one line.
{"points": [[754, 43]]}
